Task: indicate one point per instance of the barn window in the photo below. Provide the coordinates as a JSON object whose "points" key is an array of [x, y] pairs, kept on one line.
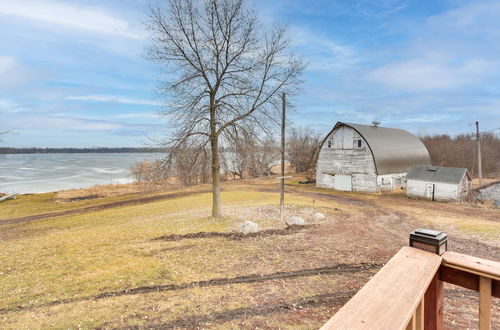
{"points": [[329, 143], [358, 143]]}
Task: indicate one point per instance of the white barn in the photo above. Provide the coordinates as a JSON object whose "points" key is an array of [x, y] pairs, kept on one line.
{"points": [[436, 183], [355, 157]]}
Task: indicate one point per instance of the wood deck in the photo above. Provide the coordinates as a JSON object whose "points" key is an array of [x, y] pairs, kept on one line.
{"points": [[392, 296]]}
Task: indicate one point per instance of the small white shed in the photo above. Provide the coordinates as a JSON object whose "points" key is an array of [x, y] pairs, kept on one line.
{"points": [[436, 183]]}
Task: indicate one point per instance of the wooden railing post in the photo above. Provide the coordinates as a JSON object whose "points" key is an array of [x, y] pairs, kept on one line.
{"points": [[484, 303], [420, 315], [433, 305]]}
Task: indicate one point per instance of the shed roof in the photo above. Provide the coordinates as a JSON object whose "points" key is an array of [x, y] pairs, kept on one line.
{"points": [[394, 150], [436, 174]]}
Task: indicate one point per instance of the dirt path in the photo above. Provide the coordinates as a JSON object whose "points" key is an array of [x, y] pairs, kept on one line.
{"points": [[198, 321], [236, 236], [98, 207], [253, 278]]}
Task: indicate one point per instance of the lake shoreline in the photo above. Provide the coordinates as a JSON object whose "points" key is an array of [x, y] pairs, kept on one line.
{"points": [[41, 173]]}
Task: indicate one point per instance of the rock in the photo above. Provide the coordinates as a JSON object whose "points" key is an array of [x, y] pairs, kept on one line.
{"points": [[318, 216], [248, 227], [295, 221]]}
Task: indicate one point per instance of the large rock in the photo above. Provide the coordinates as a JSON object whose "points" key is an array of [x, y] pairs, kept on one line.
{"points": [[295, 221], [318, 216], [248, 227]]}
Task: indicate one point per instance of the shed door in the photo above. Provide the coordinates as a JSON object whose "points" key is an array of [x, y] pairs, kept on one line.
{"points": [[343, 182], [429, 191]]}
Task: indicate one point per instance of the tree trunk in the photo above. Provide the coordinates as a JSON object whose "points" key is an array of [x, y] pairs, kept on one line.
{"points": [[214, 145]]}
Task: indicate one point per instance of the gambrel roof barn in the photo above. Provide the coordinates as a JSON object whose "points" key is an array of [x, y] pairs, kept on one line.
{"points": [[356, 157]]}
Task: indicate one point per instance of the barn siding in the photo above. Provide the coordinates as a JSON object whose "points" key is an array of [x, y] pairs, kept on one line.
{"points": [[415, 188], [346, 158], [443, 192], [464, 188], [390, 182]]}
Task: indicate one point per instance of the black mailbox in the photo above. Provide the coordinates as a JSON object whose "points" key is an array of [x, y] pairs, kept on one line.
{"points": [[429, 240]]}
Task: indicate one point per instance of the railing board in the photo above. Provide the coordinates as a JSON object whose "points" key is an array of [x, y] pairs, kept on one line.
{"points": [[467, 280], [391, 297], [479, 266], [460, 277]]}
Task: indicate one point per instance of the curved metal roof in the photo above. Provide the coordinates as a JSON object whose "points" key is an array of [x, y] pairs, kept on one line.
{"points": [[394, 150]]}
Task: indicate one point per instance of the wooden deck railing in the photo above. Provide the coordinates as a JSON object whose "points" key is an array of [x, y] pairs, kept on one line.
{"points": [[407, 293]]}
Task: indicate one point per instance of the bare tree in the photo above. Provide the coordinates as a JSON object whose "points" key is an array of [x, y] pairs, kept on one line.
{"points": [[460, 151], [250, 156], [301, 149], [226, 74]]}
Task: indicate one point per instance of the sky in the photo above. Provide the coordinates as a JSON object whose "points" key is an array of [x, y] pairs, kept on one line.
{"points": [[74, 73]]}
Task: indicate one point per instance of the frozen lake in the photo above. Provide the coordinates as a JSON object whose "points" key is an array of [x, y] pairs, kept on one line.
{"points": [[36, 173]]}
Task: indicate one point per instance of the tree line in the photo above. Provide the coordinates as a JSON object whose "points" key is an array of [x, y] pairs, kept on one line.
{"points": [[244, 158], [461, 151]]}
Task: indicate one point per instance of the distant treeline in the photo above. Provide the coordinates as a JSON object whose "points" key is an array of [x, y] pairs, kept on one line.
{"points": [[461, 151], [76, 150]]}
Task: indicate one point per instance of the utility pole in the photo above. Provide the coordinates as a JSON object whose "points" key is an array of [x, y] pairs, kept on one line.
{"points": [[479, 169], [282, 179]]}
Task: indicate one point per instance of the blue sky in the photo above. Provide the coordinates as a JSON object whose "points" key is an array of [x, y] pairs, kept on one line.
{"points": [[74, 73]]}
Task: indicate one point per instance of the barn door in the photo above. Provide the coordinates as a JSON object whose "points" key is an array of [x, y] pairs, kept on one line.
{"points": [[429, 191], [343, 182]]}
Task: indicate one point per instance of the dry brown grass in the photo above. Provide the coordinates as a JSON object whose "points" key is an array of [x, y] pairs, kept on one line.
{"points": [[55, 271], [475, 181], [110, 190]]}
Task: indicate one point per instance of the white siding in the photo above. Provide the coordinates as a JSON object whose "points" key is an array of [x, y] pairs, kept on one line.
{"points": [[344, 158], [390, 182], [443, 192]]}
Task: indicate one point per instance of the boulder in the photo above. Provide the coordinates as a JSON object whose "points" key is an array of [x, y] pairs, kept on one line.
{"points": [[248, 227], [318, 216], [295, 221]]}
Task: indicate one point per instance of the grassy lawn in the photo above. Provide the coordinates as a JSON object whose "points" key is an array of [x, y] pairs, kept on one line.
{"points": [[122, 266]]}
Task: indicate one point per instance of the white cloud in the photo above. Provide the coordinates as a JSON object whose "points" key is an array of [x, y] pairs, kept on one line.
{"points": [[380, 8], [7, 106], [7, 63], [474, 17], [430, 74], [72, 15], [322, 53], [138, 115], [13, 73], [71, 123], [111, 99]]}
